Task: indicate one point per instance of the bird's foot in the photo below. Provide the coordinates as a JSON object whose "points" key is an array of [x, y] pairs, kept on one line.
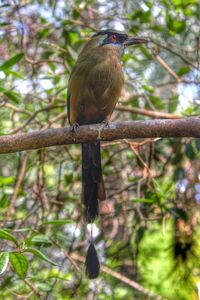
{"points": [[75, 127], [104, 124]]}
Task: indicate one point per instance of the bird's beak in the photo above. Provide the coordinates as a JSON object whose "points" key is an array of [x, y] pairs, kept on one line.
{"points": [[134, 41]]}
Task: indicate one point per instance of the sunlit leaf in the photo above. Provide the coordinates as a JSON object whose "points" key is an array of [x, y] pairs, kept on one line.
{"points": [[14, 74], [143, 200], [15, 97], [38, 239], [41, 255], [6, 181], [4, 259], [7, 236], [19, 263], [173, 103], [12, 61], [57, 222]]}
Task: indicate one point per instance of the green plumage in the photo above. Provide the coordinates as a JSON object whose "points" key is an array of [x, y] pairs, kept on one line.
{"points": [[94, 88]]}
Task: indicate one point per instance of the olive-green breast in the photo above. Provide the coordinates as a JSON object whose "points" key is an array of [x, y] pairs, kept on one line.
{"points": [[95, 86]]}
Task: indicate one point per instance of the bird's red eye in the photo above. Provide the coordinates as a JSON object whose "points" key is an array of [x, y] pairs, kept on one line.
{"points": [[113, 38]]}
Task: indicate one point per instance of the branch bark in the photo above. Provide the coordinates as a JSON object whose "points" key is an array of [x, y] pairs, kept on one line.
{"points": [[187, 127]]}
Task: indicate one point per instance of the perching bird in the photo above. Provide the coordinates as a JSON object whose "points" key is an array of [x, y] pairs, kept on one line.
{"points": [[94, 88]]}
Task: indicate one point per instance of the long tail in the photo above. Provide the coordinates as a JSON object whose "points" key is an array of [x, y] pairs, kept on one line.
{"points": [[92, 192], [93, 188]]}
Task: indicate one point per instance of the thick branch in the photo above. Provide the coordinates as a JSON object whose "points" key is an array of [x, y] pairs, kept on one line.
{"points": [[188, 127]]}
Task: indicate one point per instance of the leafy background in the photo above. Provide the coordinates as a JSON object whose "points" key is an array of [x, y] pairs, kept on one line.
{"points": [[153, 186]]}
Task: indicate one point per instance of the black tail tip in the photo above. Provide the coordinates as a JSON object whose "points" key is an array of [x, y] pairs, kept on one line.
{"points": [[92, 262], [90, 218]]}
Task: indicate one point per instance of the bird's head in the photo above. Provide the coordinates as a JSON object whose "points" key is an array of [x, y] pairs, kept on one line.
{"points": [[114, 38]]}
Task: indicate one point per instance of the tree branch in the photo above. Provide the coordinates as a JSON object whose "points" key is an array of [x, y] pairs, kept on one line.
{"points": [[147, 112], [187, 127], [122, 278]]}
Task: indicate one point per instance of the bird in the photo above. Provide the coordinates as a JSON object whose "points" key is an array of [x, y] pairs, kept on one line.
{"points": [[94, 87]]}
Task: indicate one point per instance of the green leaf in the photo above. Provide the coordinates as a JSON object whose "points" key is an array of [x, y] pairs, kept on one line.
{"points": [[4, 259], [57, 222], [41, 255], [12, 61], [189, 151], [145, 17], [14, 74], [173, 103], [69, 178], [7, 236], [157, 101], [45, 286], [183, 70], [148, 88], [4, 201], [23, 229], [43, 33], [2, 24], [19, 263], [4, 181], [178, 25], [179, 173], [39, 239], [12, 96], [143, 200], [179, 213], [46, 54], [197, 144]]}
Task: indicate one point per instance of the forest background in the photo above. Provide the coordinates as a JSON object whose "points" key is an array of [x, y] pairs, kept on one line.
{"points": [[149, 245]]}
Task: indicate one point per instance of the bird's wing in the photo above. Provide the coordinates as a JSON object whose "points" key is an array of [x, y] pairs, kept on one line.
{"points": [[69, 93]]}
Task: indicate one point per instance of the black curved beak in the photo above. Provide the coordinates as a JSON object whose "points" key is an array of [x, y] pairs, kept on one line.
{"points": [[134, 41]]}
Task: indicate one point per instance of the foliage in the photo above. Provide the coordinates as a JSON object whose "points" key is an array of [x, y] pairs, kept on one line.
{"points": [[152, 237]]}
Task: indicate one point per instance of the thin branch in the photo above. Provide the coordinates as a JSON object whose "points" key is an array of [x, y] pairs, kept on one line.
{"points": [[168, 48], [187, 127], [36, 293], [149, 113], [47, 108], [166, 66]]}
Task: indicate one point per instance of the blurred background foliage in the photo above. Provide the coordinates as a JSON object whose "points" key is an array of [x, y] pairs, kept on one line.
{"points": [[151, 236]]}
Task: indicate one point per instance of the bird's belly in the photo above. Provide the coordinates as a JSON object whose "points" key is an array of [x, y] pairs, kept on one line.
{"points": [[91, 110], [96, 96]]}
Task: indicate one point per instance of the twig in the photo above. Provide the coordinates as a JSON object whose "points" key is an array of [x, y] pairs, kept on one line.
{"points": [[186, 60], [149, 113], [136, 152], [165, 65], [37, 294]]}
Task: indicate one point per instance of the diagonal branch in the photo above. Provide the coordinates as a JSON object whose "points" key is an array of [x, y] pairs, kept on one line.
{"points": [[130, 282], [187, 127]]}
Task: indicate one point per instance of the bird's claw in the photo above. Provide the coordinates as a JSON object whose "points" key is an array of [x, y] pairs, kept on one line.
{"points": [[75, 127], [104, 124]]}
